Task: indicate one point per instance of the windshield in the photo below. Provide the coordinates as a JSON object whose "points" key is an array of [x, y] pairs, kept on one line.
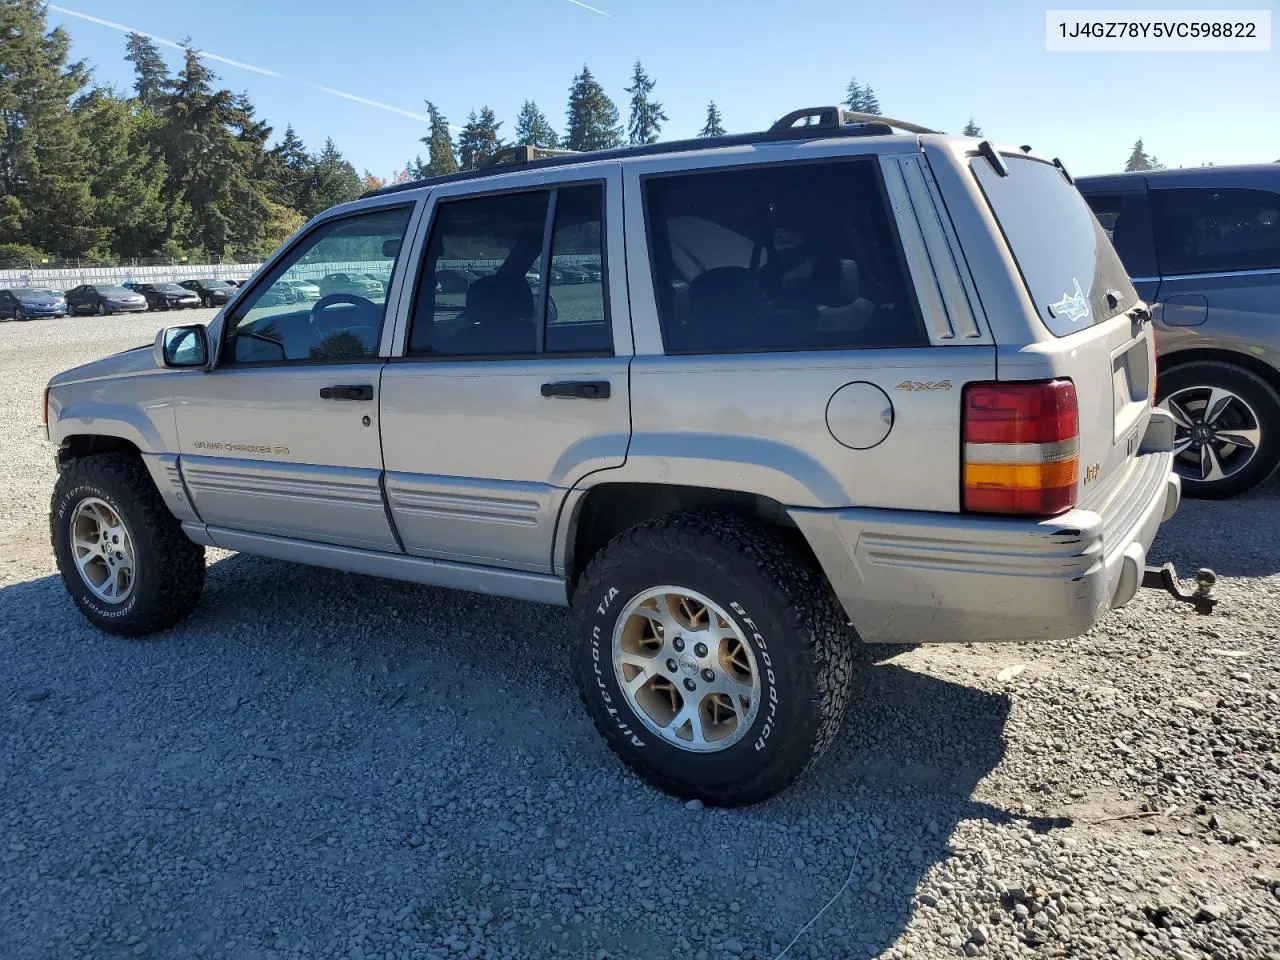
{"points": [[171, 288], [29, 293], [1068, 265], [214, 284], [114, 291]]}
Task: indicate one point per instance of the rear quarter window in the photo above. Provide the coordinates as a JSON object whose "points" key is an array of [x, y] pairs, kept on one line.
{"points": [[799, 256], [1070, 268]]}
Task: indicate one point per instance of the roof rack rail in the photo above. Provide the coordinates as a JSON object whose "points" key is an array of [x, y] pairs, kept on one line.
{"points": [[522, 153], [830, 118]]}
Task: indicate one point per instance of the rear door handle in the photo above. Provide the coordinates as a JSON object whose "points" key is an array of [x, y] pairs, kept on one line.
{"points": [[347, 391], [578, 389]]}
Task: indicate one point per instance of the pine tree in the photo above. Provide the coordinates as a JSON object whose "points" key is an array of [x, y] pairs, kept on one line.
{"points": [[971, 129], [592, 118], [333, 180], [1138, 159], [441, 158], [292, 168], [714, 127], [152, 72], [533, 129], [861, 98], [215, 150], [43, 163], [479, 139], [127, 174], [647, 117]]}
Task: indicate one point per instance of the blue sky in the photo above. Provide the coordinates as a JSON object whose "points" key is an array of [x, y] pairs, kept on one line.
{"points": [[935, 62]]}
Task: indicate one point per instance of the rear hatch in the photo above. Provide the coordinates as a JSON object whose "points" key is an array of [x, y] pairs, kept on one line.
{"points": [[1101, 336]]}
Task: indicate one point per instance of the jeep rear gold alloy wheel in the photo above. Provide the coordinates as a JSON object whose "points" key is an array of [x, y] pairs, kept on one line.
{"points": [[103, 550], [686, 669]]}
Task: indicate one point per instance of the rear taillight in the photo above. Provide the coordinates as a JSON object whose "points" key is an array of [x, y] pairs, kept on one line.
{"points": [[44, 408], [1021, 447]]}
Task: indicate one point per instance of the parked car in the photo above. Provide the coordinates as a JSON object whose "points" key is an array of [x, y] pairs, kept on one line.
{"points": [[1203, 245], [104, 299], [358, 284], [455, 281], [29, 303], [303, 289], [166, 296], [926, 415], [212, 293], [569, 273]]}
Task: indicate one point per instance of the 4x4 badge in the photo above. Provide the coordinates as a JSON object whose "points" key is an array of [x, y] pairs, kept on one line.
{"points": [[923, 385]]}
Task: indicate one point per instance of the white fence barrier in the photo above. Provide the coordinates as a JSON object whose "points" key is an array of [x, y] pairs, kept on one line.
{"points": [[63, 280]]}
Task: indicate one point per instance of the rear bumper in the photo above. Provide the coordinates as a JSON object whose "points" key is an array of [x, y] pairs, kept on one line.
{"points": [[906, 577]]}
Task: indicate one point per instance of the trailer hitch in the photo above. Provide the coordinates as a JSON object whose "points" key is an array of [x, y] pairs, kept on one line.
{"points": [[1166, 578]]}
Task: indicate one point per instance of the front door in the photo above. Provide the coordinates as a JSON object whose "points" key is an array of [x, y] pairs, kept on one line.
{"points": [[514, 382], [281, 437]]}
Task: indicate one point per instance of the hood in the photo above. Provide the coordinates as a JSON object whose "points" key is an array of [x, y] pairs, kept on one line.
{"points": [[129, 363], [45, 301]]}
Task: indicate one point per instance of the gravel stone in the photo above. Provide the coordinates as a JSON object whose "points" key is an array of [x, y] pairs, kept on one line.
{"points": [[323, 765]]}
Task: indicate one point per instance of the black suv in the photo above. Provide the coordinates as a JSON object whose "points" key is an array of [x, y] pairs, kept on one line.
{"points": [[1203, 246]]}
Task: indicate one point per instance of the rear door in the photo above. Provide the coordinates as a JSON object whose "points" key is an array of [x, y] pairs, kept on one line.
{"points": [[1219, 251], [1085, 318], [513, 382]]}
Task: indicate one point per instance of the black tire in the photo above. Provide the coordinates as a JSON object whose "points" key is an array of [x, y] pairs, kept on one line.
{"points": [[19, 314], [1255, 392], [169, 574], [797, 632], [102, 309]]}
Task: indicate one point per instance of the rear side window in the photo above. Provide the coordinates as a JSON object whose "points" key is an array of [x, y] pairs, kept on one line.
{"points": [[1068, 265], [1217, 231], [481, 291], [793, 257], [1126, 220]]}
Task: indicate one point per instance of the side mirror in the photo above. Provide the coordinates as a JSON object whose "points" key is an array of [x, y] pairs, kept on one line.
{"points": [[391, 248], [182, 346]]}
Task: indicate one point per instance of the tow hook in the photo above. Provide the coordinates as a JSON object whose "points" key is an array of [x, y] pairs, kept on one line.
{"points": [[1166, 578]]}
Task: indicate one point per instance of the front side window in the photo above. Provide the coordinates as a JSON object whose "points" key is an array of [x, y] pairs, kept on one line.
{"points": [[276, 321], [792, 257], [481, 291], [1217, 231]]}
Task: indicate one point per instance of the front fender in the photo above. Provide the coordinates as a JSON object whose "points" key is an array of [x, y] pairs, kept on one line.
{"points": [[91, 417]]}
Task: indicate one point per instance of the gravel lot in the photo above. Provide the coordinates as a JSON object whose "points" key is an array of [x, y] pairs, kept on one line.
{"points": [[325, 765]]}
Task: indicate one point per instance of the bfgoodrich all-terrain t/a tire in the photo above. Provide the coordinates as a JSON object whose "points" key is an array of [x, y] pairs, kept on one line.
{"points": [[714, 659], [123, 556]]}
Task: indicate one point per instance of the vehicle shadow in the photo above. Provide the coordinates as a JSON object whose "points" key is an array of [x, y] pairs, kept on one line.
{"points": [[1235, 538], [447, 725]]}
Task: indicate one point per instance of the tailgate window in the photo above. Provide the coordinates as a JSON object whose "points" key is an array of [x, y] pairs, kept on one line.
{"points": [[1069, 267]]}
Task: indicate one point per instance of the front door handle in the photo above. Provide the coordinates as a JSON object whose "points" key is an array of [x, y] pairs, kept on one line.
{"points": [[578, 389], [347, 391]]}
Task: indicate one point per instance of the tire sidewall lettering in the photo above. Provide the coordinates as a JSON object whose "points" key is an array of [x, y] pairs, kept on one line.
{"points": [[621, 715], [80, 592]]}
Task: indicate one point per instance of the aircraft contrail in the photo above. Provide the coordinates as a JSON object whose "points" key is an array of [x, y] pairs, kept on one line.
{"points": [[584, 6], [248, 66]]}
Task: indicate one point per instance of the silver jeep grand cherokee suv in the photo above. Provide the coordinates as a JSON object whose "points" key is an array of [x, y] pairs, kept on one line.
{"points": [[828, 382]]}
